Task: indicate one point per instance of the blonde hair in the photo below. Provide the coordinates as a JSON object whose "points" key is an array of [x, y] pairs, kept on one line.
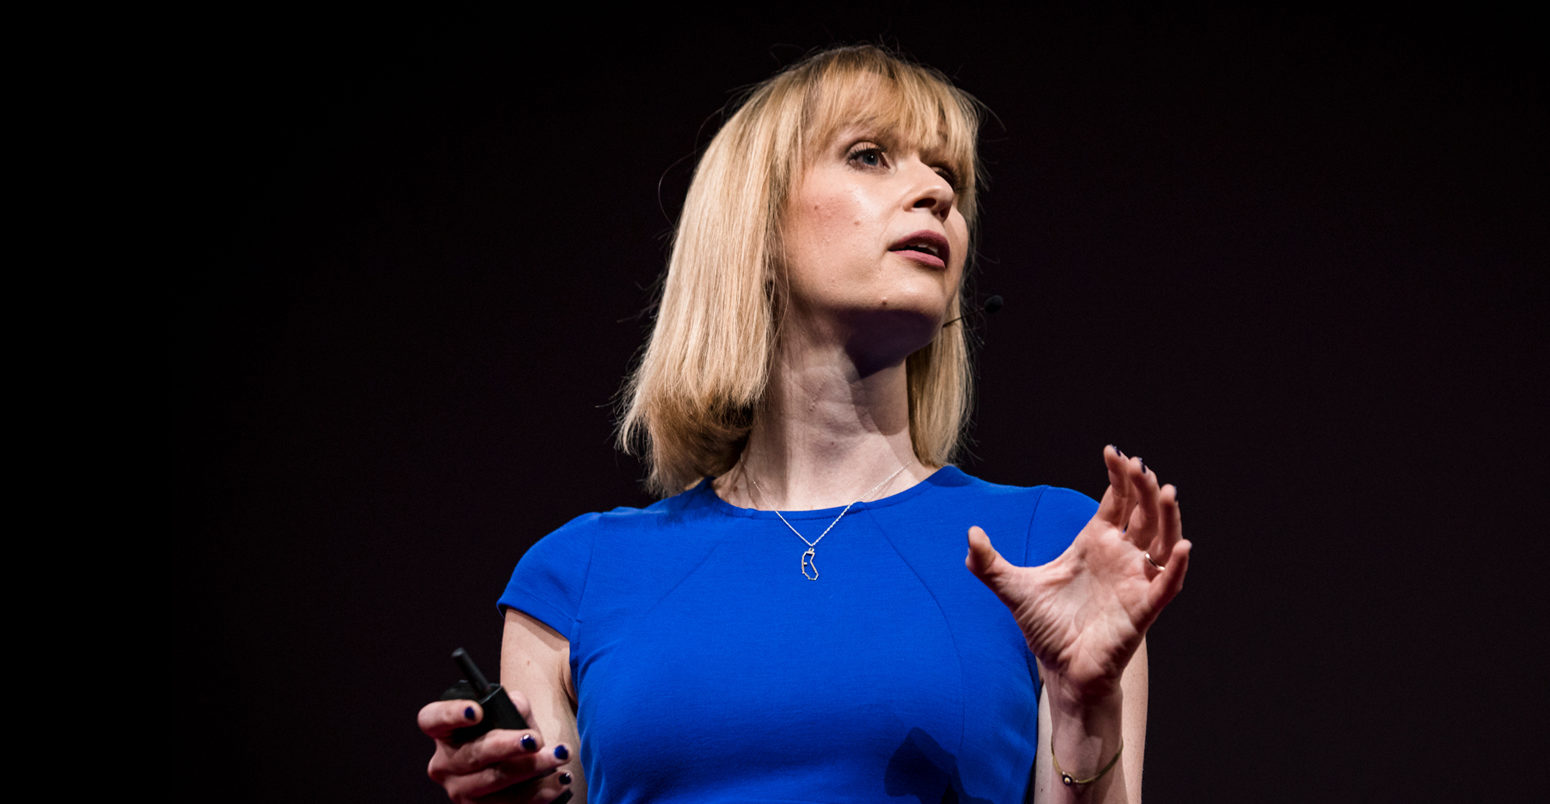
{"points": [[701, 379]]}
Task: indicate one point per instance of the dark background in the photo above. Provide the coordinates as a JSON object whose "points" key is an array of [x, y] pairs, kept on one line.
{"points": [[1292, 258]]}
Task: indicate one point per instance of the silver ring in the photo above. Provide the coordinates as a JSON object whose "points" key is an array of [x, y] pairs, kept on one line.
{"points": [[1154, 564]]}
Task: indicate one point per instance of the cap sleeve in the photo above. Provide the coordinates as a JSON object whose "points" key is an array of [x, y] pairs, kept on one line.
{"points": [[551, 579]]}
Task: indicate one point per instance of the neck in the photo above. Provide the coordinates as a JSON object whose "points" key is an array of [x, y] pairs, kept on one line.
{"points": [[829, 432]]}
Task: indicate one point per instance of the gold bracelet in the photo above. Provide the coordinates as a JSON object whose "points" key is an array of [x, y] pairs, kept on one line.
{"points": [[1072, 780]]}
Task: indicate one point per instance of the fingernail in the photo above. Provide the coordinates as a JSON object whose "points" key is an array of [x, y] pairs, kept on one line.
{"points": [[564, 797], [528, 743], [1117, 450], [564, 777], [468, 714], [1143, 465], [561, 753]]}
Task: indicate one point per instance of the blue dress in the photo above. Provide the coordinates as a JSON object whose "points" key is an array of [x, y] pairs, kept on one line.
{"points": [[708, 668]]}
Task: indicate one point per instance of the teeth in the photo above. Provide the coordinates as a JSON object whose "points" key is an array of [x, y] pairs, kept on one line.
{"points": [[923, 247]]}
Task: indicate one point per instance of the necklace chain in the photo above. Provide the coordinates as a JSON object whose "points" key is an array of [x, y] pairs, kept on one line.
{"points": [[809, 569]]}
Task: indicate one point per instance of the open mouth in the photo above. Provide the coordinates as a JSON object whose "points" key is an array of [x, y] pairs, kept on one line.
{"points": [[924, 242]]}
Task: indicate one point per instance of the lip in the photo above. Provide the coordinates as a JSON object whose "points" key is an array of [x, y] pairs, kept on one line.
{"points": [[925, 238]]}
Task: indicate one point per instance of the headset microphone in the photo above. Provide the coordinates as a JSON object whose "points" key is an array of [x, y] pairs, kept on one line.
{"points": [[990, 306]]}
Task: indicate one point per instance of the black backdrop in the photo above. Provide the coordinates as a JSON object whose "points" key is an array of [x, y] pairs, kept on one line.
{"points": [[1294, 259]]}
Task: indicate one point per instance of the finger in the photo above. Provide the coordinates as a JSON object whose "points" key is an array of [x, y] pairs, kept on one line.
{"points": [[498, 785], [1170, 527], [1147, 513], [1118, 499], [986, 563], [540, 777], [555, 787], [485, 750], [498, 761], [1166, 586], [439, 718]]}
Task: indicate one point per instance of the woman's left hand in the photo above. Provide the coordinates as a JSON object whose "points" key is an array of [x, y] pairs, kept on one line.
{"points": [[1085, 613]]}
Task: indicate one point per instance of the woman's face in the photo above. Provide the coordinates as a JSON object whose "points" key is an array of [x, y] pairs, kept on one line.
{"points": [[874, 243]]}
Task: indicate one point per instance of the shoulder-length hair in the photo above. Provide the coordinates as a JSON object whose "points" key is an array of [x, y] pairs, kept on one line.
{"points": [[701, 379]]}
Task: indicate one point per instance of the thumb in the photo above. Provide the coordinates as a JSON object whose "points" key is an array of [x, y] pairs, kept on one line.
{"points": [[984, 561]]}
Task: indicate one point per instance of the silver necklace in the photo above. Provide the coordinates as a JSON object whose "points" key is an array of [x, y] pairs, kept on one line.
{"points": [[809, 569]]}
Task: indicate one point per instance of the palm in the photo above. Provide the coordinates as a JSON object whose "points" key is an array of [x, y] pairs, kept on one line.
{"points": [[1085, 613]]}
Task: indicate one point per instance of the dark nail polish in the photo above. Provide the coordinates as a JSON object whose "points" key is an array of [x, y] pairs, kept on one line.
{"points": [[528, 743], [561, 753], [1143, 465], [468, 714], [564, 797], [1117, 450], [564, 777]]}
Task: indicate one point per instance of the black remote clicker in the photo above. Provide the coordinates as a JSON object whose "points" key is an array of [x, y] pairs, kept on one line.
{"points": [[499, 711]]}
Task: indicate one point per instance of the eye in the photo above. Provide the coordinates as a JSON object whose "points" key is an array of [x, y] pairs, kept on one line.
{"points": [[867, 155], [948, 175]]}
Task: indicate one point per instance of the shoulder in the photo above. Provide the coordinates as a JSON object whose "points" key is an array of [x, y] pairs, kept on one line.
{"points": [[1047, 517], [954, 482], [625, 522], [597, 550]]}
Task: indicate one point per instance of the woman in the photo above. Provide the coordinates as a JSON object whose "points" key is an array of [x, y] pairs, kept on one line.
{"points": [[796, 626]]}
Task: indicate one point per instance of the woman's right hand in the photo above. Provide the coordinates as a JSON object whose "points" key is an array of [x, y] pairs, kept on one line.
{"points": [[500, 765]]}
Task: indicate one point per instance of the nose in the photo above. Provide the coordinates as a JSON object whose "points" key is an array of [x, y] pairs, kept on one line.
{"points": [[931, 191]]}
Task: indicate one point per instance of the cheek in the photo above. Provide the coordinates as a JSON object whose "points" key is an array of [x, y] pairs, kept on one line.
{"points": [[812, 230], [826, 222], [958, 236], [957, 228]]}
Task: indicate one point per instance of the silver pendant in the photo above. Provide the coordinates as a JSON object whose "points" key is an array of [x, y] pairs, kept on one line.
{"points": [[809, 569]]}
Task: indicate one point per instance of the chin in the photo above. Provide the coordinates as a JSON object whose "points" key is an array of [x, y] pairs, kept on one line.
{"points": [[889, 333], [928, 307]]}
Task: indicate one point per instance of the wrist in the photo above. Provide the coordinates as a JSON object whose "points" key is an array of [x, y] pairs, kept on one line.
{"points": [[1085, 715], [1082, 701], [1085, 740]]}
